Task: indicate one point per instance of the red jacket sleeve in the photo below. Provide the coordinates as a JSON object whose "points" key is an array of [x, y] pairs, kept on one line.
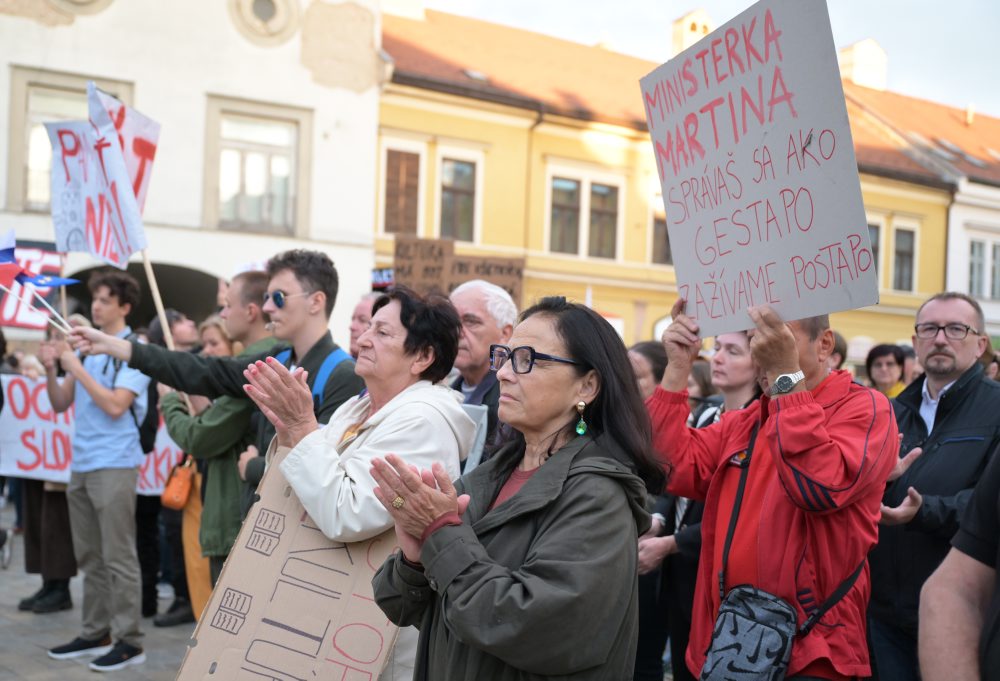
{"points": [[826, 460], [690, 455]]}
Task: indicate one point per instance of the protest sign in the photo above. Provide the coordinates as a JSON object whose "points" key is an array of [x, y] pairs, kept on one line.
{"points": [[94, 205], [34, 258], [290, 603], [36, 442], [427, 265], [755, 158]]}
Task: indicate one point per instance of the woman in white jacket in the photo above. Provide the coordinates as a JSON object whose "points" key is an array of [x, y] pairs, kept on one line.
{"points": [[410, 346]]}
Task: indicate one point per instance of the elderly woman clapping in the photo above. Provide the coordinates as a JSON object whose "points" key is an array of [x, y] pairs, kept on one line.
{"points": [[526, 568], [409, 346]]}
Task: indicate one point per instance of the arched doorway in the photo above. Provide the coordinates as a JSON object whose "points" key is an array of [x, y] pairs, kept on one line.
{"points": [[186, 290]]}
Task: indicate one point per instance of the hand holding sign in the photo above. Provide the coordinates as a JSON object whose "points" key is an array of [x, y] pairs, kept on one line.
{"points": [[772, 344], [682, 344]]}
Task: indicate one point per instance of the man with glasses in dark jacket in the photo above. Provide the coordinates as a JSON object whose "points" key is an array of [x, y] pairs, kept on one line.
{"points": [[949, 424]]}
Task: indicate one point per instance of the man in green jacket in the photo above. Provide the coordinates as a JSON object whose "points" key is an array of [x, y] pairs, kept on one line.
{"points": [[222, 432]]}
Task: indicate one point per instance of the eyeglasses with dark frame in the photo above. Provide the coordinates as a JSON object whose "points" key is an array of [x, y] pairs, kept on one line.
{"points": [[952, 330], [279, 297], [523, 358]]}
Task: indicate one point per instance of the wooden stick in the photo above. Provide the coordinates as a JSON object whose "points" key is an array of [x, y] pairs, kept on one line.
{"points": [[63, 303], [62, 325], [157, 300], [161, 312], [50, 308]]}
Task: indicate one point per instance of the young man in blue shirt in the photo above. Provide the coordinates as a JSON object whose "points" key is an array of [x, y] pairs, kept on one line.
{"points": [[110, 400]]}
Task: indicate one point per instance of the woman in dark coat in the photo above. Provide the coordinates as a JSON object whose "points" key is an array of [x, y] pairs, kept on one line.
{"points": [[527, 570]]}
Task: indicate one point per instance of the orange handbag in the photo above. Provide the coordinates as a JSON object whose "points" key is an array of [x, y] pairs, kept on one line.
{"points": [[178, 488]]}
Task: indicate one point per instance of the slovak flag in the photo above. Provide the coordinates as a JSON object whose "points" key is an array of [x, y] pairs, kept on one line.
{"points": [[45, 280], [9, 269]]}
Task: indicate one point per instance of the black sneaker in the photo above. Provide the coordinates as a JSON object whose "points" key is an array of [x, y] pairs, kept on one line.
{"points": [[121, 656], [180, 612], [28, 603], [55, 600], [79, 647]]}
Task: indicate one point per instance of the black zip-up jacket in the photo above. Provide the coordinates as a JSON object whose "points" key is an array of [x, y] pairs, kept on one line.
{"points": [[955, 454], [217, 376]]}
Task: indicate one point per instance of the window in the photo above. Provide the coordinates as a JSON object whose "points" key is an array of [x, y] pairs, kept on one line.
{"points": [[902, 273], [995, 273], [873, 235], [565, 236], [603, 220], [402, 192], [256, 182], [39, 97], [257, 160], [458, 199], [661, 238], [584, 215], [977, 267]]}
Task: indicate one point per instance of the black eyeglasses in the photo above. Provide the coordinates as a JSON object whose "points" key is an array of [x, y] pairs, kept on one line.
{"points": [[952, 331], [522, 358], [279, 297]]}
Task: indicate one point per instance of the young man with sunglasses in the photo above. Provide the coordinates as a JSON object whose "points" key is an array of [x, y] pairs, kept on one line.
{"points": [[301, 291], [948, 422]]}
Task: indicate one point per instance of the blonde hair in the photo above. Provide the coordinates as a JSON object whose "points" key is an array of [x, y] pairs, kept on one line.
{"points": [[216, 322]]}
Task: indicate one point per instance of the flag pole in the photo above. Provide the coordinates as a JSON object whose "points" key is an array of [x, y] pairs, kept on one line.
{"points": [[62, 324], [168, 337]]}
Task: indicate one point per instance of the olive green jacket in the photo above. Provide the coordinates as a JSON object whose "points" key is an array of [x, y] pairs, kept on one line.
{"points": [[216, 437], [541, 587]]}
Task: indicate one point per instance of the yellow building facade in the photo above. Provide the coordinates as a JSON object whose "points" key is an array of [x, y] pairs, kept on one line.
{"points": [[576, 195]]}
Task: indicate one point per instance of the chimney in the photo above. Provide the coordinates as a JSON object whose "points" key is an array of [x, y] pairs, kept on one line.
{"points": [[865, 63], [970, 114], [689, 29]]}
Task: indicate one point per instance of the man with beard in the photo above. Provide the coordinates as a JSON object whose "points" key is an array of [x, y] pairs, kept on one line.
{"points": [[948, 423]]}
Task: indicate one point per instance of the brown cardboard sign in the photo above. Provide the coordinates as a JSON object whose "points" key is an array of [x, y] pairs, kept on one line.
{"points": [[431, 265], [291, 604]]}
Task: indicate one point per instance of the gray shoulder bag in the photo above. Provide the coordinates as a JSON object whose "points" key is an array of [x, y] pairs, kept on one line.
{"points": [[754, 631]]}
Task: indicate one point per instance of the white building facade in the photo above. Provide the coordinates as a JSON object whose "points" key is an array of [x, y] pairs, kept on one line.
{"points": [[269, 115]]}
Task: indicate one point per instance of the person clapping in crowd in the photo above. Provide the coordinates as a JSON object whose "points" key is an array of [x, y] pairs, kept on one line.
{"points": [[527, 569], [949, 421], [409, 346]]}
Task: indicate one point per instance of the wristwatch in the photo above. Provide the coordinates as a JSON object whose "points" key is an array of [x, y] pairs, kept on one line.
{"points": [[785, 382]]}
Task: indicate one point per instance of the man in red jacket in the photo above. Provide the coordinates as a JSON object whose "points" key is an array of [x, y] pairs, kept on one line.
{"points": [[810, 509]]}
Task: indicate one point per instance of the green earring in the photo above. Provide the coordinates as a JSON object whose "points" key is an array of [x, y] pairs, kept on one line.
{"points": [[581, 425]]}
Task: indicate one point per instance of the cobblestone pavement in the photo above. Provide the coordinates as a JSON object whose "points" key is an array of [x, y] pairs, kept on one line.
{"points": [[25, 637]]}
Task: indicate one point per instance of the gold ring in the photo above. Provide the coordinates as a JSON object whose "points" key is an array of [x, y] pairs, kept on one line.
{"points": [[398, 502]]}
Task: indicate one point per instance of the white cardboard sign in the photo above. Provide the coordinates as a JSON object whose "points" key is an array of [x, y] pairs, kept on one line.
{"points": [[37, 443], [756, 163], [94, 205]]}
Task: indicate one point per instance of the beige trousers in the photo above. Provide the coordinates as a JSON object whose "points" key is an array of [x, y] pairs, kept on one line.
{"points": [[102, 516]]}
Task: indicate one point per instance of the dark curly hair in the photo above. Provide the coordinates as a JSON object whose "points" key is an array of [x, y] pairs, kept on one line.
{"points": [[430, 322], [121, 285], [313, 269], [618, 412]]}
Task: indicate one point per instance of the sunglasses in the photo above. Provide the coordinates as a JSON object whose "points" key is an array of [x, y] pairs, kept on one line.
{"points": [[279, 297]]}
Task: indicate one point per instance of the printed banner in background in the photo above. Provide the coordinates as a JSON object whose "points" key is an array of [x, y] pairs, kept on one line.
{"points": [[34, 258], [37, 443]]}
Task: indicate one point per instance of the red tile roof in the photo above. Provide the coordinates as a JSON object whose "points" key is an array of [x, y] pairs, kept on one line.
{"points": [[531, 70]]}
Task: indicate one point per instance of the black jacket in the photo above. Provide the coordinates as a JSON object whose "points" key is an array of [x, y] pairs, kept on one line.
{"points": [[487, 394], [955, 454], [217, 376]]}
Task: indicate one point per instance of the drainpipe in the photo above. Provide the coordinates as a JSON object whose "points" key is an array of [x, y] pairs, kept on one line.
{"points": [[539, 116]]}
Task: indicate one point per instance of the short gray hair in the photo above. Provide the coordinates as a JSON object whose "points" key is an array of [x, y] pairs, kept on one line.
{"points": [[498, 302]]}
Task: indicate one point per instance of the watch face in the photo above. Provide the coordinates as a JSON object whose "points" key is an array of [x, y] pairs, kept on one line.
{"points": [[783, 384]]}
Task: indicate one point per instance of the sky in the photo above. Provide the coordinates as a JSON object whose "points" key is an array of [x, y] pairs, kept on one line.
{"points": [[956, 67]]}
